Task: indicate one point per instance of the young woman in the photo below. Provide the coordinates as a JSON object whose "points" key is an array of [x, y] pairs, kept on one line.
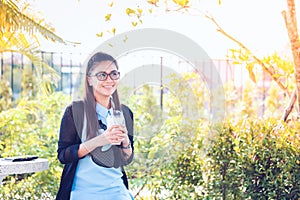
{"points": [[87, 175]]}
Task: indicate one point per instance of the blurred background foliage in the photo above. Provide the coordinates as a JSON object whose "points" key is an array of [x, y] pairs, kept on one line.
{"points": [[244, 157]]}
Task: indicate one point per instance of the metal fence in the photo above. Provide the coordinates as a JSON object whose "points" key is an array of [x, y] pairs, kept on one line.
{"points": [[68, 66]]}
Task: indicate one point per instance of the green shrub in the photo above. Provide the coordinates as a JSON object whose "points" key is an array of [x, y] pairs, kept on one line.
{"points": [[5, 95], [272, 162], [32, 128], [255, 159], [182, 179], [223, 171], [29, 84]]}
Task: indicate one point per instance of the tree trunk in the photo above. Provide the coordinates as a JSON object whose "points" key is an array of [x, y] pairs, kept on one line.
{"points": [[291, 25]]}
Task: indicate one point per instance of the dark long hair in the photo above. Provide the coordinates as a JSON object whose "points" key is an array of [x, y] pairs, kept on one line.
{"points": [[89, 98]]}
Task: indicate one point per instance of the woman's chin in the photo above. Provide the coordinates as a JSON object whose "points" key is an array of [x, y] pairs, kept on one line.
{"points": [[104, 92], [108, 93]]}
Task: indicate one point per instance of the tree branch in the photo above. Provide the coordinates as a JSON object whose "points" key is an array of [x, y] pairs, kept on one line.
{"points": [[139, 191], [290, 107], [261, 63]]}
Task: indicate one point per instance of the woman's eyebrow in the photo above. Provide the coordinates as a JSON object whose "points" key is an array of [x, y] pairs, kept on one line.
{"points": [[106, 72]]}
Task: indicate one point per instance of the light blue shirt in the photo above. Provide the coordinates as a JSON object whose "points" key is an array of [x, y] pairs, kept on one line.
{"points": [[102, 113], [94, 182]]}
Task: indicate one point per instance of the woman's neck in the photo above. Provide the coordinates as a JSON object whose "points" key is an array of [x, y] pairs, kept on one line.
{"points": [[104, 102]]}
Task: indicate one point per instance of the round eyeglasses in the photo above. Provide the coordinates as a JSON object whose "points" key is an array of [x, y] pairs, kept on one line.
{"points": [[102, 76]]}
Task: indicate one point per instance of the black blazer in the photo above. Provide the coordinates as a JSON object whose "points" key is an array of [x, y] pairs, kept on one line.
{"points": [[68, 145]]}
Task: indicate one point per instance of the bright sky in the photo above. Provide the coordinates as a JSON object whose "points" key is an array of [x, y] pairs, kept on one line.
{"points": [[258, 24]]}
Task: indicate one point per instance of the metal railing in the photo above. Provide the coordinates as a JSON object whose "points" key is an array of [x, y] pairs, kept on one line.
{"points": [[68, 67]]}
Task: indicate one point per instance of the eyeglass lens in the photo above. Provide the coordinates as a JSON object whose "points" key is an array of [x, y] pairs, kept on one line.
{"points": [[102, 76]]}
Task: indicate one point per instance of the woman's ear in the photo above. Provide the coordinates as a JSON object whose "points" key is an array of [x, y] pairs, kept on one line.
{"points": [[89, 80]]}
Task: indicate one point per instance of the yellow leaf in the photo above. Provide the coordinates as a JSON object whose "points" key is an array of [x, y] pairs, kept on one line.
{"points": [[134, 24], [111, 4], [277, 75], [140, 10], [113, 30], [182, 3], [36, 39], [129, 11], [99, 34], [107, 17], [154, 2], [250, 67], [23, 39], [150, 11]]}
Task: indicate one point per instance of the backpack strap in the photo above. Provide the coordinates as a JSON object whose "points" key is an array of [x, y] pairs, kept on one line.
{"points": [[79, 117], [128, 119], [83, 132]]}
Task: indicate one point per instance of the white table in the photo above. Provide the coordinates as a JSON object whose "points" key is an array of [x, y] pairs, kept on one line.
{"points": [[9, 167]]}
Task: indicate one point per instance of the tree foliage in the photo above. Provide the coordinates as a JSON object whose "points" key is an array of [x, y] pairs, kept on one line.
{"points": [[31, 128], [19, 31], [276, 68], [15, 18]]}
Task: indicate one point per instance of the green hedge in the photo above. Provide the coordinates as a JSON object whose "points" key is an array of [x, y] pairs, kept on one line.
{"points": [[248, 159], [252, 159], [31, 128]]}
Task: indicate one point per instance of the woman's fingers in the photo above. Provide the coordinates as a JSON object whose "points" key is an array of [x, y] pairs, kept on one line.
{"points": [[115, 134], [118, 127]]}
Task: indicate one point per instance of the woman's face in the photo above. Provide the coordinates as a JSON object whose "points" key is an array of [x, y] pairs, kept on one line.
{"points": [[103, 88]]}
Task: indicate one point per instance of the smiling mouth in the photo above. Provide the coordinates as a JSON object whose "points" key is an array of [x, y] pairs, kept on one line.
{"points": [[108, 86]]}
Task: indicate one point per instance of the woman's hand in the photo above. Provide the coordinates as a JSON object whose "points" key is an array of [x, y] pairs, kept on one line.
{"points": [[114, 135]]}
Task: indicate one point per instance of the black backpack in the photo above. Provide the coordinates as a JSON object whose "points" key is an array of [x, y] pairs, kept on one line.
{"points": [[114, 156]]}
